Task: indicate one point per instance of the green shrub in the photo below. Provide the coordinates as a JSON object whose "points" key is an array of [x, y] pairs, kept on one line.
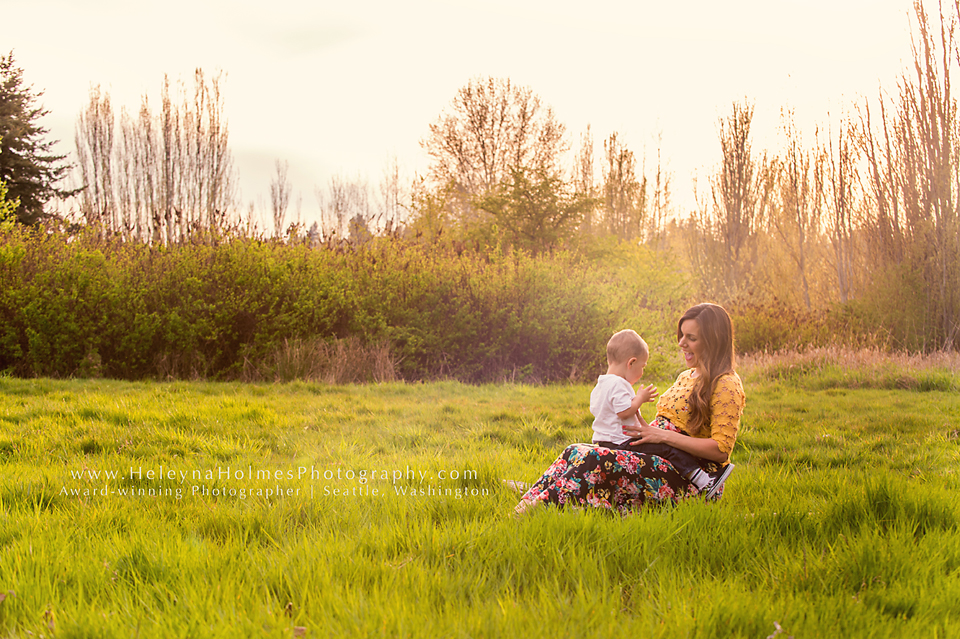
{"points": [[88, 307]]}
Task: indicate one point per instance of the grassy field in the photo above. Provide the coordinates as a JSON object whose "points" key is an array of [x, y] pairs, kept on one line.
{"points": [[144, 509]]}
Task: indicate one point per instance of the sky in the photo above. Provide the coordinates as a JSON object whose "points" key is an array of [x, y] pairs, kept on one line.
{"points": [[340, 88]]}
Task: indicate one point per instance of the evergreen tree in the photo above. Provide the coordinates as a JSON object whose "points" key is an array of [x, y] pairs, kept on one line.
{"points": [[27, 163], [7, 208]]}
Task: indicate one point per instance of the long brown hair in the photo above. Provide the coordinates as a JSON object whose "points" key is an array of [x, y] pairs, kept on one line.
{"points": [[717, 358]]}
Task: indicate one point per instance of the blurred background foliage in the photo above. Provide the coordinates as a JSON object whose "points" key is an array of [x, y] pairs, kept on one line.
{"points": [[513, 258]]}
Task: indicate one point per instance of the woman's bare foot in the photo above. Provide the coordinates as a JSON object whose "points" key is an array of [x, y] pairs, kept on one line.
{"points": [[515, 486], [525, 506]]}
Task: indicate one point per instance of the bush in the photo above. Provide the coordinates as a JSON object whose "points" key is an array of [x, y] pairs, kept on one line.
{"points": [[774, 326], [253, 309]]}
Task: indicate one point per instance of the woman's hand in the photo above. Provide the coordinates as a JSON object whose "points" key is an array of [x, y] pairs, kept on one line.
{"points": [[647, 434], [698, 447]]}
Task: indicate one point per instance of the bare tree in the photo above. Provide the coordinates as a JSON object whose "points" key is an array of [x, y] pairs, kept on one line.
{"points": [[169, 144], [391, 208], [886, 239], [279, 195], [129, 197], [583, 180], [94, 142], [492, 127], [797, 220], [345, 205], [660, 205], [624, 197], [836, 181], [166, 176], [138, 183], [206, 163], [915, 179], [936, 136], [740, 191]]}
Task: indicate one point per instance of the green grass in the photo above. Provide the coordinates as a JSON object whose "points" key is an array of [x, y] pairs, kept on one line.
{"points": [[840, 520]]}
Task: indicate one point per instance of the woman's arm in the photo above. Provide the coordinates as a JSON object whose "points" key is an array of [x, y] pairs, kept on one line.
{"points": [[705, 448], [726, 407]]}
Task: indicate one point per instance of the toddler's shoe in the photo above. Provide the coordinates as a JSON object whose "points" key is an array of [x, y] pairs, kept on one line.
{"points": [[718, 478]]}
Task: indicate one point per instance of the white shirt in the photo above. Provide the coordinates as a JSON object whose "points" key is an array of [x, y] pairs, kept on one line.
{"points": [[611, 395]]}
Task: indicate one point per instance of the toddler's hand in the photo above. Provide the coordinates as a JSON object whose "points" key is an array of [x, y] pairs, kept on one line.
{"points": [[647, 393]]}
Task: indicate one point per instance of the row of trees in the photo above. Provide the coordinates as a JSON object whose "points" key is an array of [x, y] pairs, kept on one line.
{"points": [[865, 215], [161, 176], [498, 160], [862, 214], [913, 172], [499, 166]]}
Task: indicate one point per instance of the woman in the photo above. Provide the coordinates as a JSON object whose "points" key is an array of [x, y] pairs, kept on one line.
{"points": [[700, 414]]}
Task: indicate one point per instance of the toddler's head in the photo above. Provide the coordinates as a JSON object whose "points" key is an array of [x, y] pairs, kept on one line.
{"points": [[624, 345]]}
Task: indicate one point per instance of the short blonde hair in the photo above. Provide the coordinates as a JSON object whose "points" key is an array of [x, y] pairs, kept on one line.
{"points": [[626, 344]]}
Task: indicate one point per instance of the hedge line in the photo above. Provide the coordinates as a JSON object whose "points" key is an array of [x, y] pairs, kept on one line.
{"points": [[217, 310]]}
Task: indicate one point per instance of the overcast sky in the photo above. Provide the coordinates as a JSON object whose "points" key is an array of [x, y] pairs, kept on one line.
{"points": [[341, 87]]}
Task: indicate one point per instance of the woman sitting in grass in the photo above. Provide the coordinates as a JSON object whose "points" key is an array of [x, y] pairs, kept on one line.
{"points": [[699, 414]]}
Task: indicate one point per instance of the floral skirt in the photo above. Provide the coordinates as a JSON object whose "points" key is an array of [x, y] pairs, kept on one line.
{"points": [[619, 480]]}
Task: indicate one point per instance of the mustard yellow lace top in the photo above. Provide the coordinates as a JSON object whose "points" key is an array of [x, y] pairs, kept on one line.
{"points": [[726, 407]]}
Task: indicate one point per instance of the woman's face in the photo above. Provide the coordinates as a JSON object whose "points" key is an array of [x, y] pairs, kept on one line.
{"points": [[691, 346]]}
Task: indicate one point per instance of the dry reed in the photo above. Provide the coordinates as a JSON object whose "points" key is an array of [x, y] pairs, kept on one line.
{"points": [[343, 361], [867, 367]]}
